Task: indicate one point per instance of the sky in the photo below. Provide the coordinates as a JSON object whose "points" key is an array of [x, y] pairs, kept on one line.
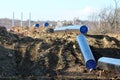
{"points": [[52, 9]]}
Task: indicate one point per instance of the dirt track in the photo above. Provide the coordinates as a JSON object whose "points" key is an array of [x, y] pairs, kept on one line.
{"points": [[33, 53]]}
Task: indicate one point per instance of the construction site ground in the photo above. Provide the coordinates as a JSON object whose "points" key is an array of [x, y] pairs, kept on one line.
{"points": [[33, 54]]}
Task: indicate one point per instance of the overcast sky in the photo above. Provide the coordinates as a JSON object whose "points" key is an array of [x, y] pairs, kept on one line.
{"points": [[52, 9]]}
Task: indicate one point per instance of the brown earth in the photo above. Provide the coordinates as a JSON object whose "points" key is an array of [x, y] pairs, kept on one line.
{"points": [[33, 54]]}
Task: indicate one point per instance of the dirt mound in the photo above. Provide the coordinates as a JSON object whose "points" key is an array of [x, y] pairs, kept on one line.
{"points": [[104, 45], [7, 62], [51, 55]]}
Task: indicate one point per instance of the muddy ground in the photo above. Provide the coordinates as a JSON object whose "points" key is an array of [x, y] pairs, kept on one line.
{"points": [[33, 54]]}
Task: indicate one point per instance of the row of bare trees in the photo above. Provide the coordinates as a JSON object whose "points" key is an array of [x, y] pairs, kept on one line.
{"points": [[107, 20]]}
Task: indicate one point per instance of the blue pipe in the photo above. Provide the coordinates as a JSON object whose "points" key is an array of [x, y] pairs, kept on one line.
{"points": [[75, 27], [46, 24], [86, 52], [109, 63], [84, 29]]}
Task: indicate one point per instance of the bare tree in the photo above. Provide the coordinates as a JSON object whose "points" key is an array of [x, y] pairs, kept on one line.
{"points": [[93, 19], [116, 14], [108, 20]]}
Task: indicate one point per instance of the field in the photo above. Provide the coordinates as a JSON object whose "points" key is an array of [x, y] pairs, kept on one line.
{"points": [[33, 54]]}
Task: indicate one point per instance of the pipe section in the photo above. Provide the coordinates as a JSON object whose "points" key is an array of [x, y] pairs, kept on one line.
{"points": [[86, 52]]}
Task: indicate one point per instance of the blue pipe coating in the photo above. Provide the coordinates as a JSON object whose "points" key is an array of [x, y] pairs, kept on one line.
{"points": [[109, 63], [84, 29], [46, 24], [90, 62], [37, 25]]}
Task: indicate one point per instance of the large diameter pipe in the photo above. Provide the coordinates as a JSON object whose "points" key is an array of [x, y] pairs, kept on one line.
{"points": [[84, 29], [111, 64], [90, 62], [64, 28]]}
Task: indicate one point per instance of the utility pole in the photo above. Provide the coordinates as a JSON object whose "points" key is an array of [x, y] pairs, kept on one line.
{"points": [[21, 19], [13, 19], [29, 19]]}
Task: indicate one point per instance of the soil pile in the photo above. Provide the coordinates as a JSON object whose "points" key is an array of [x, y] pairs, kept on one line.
{"points": [[33, 53]]}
